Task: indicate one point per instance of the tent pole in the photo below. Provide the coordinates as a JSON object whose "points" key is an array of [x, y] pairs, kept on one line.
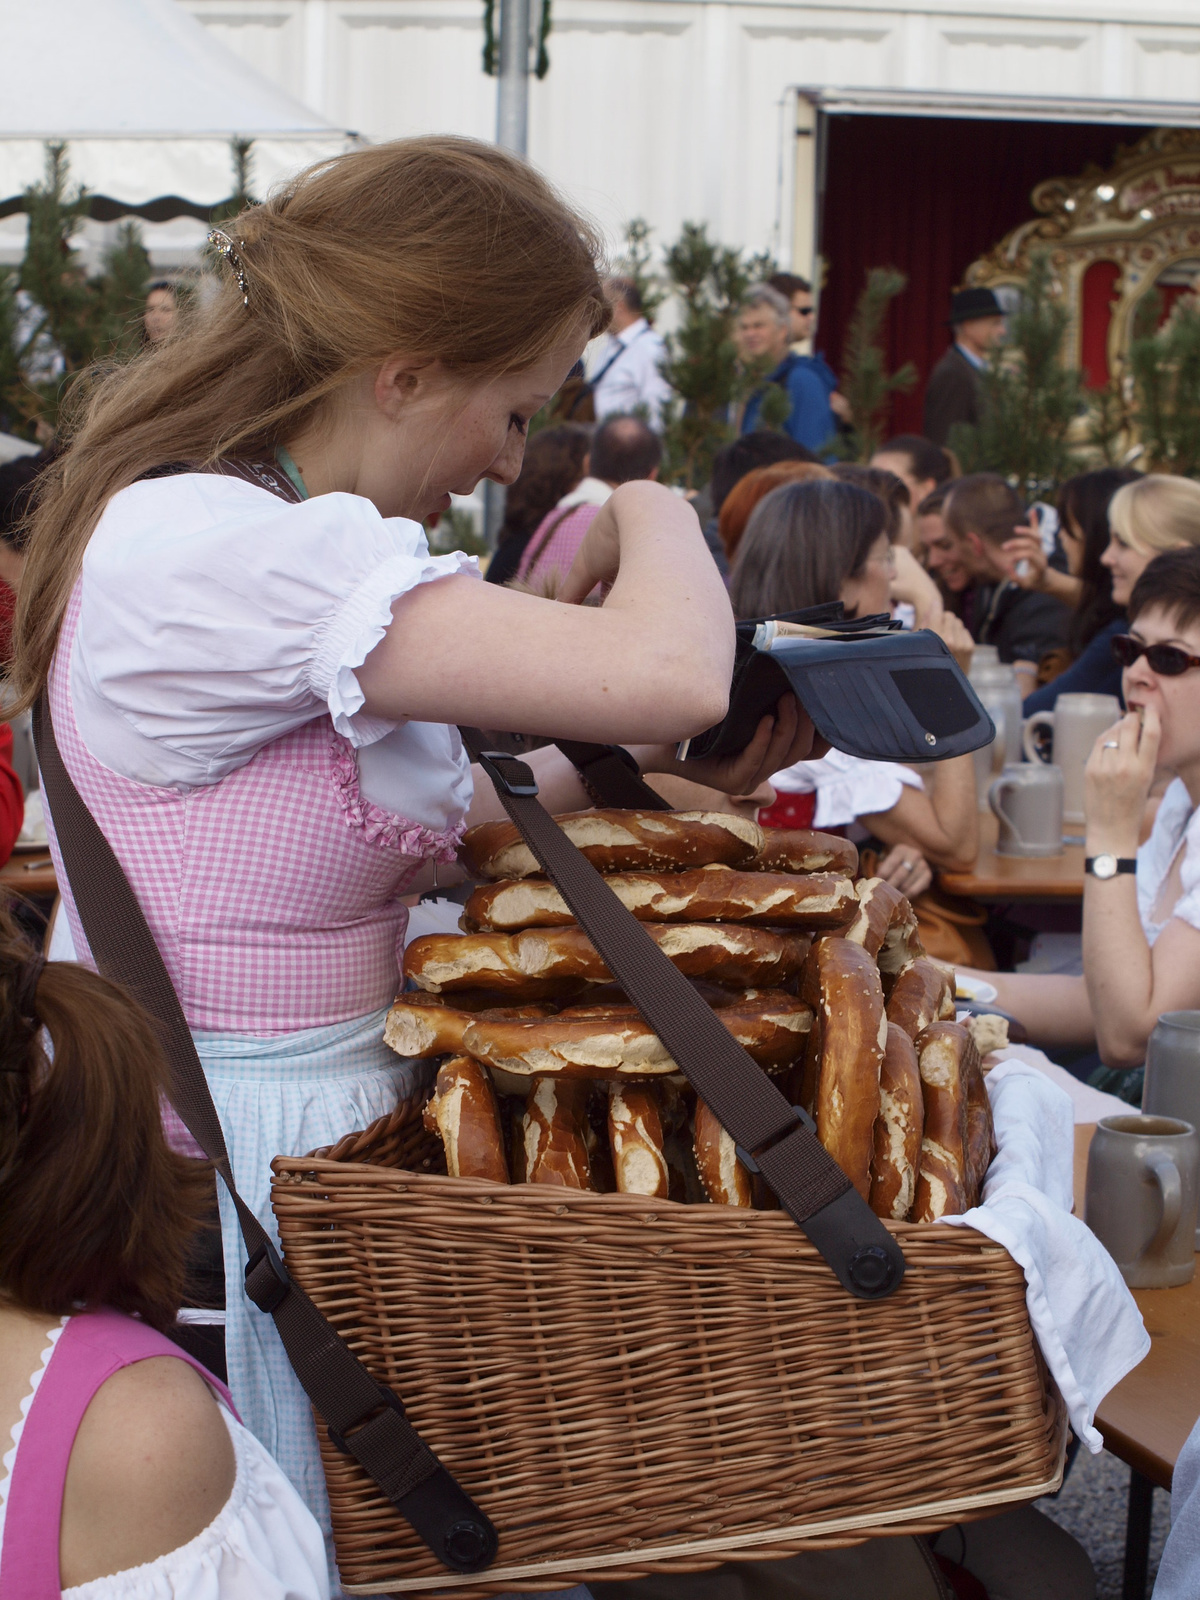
{"points": [[512, 96]]}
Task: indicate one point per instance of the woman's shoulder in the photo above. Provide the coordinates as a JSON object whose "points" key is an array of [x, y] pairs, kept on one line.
{"points": [[179, 520], [152, 1466]]}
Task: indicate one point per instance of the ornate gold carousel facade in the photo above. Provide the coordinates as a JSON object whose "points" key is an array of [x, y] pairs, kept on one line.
{"points": [[1113, 237]]}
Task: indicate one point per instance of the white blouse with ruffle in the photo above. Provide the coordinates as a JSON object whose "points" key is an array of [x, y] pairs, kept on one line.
{"points": [[215, 618]]}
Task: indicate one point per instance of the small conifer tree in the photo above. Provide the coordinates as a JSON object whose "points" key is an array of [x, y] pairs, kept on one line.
{"points": [[55, 319], [710, 282], [1165, 365], [636, 262], [866, 383]]}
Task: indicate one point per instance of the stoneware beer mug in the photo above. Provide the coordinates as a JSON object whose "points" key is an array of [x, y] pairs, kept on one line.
{"points": [[1173, 1070], [1076, 722], [1028, 800], [1141, 1197]]}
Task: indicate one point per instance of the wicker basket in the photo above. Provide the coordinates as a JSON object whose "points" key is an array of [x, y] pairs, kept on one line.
{"points": [[628, 1386]]}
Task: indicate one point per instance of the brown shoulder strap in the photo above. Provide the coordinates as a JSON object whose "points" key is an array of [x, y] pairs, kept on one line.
{"points": [[773, 1137], [365, 1419]]}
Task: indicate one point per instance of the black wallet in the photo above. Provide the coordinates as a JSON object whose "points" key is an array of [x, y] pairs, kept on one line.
{"points": [[871, 688]]}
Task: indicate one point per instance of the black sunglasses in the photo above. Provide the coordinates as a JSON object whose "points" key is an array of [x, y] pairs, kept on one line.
{"points": [[1168, 660]]}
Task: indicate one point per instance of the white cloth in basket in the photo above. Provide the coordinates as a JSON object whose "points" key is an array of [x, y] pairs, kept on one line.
{"points": [[1084, 1318]]}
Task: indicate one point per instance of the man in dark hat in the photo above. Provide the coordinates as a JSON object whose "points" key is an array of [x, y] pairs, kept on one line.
{"points": [[954, 392]]}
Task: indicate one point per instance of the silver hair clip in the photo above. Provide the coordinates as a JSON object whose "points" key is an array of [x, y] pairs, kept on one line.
{"points": [[224, 246]]}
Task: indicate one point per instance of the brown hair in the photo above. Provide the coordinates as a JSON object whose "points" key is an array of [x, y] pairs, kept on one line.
{"points": [[892, 490], [934, 503], [94, 1205], [755, 486], [553, 466], [801, 545], [925, 459], [442, 248], [985, 504], [1171, 583]]}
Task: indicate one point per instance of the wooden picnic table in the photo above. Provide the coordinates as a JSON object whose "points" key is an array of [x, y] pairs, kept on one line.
{"points": [[1148, 1416], [29, 872], [1006, 878]]}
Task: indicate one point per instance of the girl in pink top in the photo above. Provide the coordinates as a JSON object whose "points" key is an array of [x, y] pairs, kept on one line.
{"points": [[256, 674], [124, 1471]]}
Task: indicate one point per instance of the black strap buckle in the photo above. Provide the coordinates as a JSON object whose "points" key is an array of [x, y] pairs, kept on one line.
{"points": [[800, 1115], [386, 1399], [521, 785], [267, 1281]]}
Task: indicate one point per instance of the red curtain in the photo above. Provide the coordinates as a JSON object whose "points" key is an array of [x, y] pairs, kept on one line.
{"points": [[929, 195]]}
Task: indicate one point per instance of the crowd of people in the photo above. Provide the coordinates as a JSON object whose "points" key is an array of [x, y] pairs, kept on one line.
{"points": [[256, 678]]}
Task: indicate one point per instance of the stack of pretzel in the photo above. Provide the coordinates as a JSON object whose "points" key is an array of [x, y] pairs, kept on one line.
{"points": [[548, 1075]]}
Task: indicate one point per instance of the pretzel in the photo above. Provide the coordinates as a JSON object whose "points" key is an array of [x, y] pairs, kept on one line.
{"points": [[550, 1144], [845, 1053], [635, 1134], [420, 1025], [981, 1133], [898, 1128], [709, 894], [885, 925], [923, 993], [544, 962], [725, 1180], [621, 841], [772, 1027], [799, 850], [463, 1111], [943, 1179]]}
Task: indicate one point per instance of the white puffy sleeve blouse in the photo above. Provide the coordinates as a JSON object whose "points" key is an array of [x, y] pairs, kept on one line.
{"points": [[215, 618]]}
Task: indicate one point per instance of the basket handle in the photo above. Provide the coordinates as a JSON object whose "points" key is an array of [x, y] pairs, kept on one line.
{"points": [[778, 1138], [365, 1418]]}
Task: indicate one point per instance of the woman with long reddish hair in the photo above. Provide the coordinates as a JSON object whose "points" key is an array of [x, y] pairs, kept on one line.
{"points": [[125, 1454], [255, 667]]}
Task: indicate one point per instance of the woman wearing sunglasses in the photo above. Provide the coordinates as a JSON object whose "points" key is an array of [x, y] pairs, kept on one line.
{"points": [[1141, 907]]}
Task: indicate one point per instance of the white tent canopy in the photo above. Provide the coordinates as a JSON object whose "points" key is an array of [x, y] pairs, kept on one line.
{"points": [[147, 101]]}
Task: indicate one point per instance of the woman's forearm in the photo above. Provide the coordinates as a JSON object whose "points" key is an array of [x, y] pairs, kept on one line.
{"points": [[1119, 969], [1054, 1009], [654, 663], [1061, 585], [942, 820]]}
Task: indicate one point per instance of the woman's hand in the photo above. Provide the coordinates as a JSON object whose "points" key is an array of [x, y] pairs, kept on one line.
{"points": [[911, 583], [954, 634], [1026, 559], [779, 741], [1028, 566], [1117, 782], [906, 869]]}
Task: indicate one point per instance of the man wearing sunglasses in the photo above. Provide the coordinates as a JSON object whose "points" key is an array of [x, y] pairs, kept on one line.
{"points": [[1141, 906]]}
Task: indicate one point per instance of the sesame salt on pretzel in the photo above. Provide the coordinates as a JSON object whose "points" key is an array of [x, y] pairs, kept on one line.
{"points": [[709, 894]]}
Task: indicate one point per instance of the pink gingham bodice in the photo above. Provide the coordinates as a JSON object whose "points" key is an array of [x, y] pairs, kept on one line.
{"points": [[273, 894]]}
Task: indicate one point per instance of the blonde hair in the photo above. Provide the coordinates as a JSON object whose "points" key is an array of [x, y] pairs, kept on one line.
{"points": [[443, 249], [1156, 513]]}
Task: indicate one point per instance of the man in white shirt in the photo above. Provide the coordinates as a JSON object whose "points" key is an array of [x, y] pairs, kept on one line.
{"points": [[624, 372]]}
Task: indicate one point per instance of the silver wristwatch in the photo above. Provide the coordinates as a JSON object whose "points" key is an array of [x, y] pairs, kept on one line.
{"points": [[1106, 866]]}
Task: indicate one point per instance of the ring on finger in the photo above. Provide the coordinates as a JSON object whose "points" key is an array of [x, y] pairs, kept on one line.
{"points": [[1110, 744]]}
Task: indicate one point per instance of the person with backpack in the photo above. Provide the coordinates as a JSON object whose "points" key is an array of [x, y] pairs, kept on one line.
{"points": [[764, 330]]}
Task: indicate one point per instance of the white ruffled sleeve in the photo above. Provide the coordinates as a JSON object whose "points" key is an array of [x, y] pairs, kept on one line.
{"points": [[215, 618]]}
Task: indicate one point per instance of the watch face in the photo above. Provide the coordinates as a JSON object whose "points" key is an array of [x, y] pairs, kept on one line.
{"points": [[1104, 867]]}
